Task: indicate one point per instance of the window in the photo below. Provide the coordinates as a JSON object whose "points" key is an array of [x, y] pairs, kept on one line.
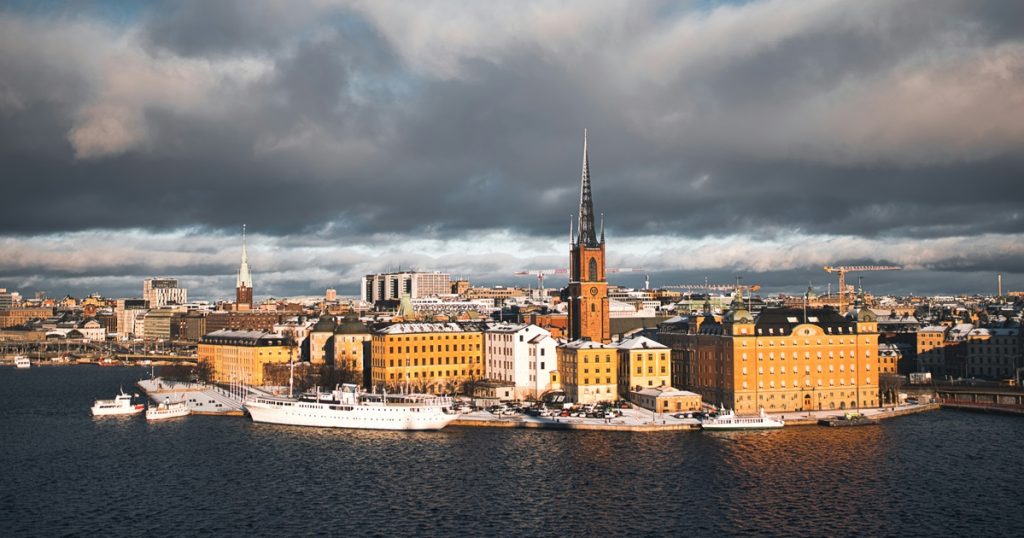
{"points": [[592, 269]]}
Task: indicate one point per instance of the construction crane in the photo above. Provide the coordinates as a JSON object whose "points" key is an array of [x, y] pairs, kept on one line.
{"points": [[715, 287], [541, 273], [843, 269]]}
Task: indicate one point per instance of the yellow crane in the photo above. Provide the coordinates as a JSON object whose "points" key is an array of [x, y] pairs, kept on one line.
{"points": [[843, 269]]}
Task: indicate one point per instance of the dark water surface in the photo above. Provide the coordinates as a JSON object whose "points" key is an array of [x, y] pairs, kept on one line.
{"points": [[65, 473]]}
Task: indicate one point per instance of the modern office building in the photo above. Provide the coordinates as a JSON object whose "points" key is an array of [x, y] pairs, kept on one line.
{"points": [[415, 284], [163, 291]]}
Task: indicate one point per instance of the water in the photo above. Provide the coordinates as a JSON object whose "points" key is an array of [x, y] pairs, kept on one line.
{"points": [[65, 473]]}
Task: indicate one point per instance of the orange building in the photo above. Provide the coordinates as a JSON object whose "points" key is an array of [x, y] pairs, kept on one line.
{"points": [[429, 357], [787, 359]]}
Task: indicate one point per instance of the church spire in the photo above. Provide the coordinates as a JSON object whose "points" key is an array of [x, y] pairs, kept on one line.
{"points": [[244, 277], [587, 236]]}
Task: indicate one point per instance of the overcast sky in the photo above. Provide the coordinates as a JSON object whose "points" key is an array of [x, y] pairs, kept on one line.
{"points": [[763, 139]]}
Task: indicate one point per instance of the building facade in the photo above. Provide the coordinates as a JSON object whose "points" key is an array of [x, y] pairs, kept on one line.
{"points": [[643, 364], [787, 360], [163, 291], [523, 355], [994, 353], [429, 357], [415, 284], [241, 356], [588, 371]]}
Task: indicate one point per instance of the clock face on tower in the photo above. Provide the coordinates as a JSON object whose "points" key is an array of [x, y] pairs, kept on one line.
{"points": [[593, 291]]}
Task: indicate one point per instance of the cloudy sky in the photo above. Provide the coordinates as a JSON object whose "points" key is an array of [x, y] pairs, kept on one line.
{"points": [[762, 139]]}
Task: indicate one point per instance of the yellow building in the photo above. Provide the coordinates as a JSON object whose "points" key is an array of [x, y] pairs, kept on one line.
{"points": [[240, 356], [589, 371], [351, 339], [427, 357], [643, 363], [787, 359], [321, 340], [666, 400]]}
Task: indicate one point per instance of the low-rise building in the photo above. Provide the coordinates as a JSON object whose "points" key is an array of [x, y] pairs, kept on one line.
{"points": [[589, 371], [666, 400], [643, 363], [241, 356], [523, 355]]}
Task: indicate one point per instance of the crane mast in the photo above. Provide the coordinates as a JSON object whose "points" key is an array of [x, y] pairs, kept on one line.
{"points": [[843, 269]]}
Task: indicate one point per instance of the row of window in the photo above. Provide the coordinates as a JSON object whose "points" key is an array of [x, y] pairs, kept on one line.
{"points": [[447, 373]]}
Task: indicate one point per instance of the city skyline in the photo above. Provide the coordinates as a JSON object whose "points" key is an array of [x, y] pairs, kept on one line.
{"points": [[763, 139]]}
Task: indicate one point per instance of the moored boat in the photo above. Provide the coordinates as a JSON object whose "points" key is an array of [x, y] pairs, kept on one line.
{"points": [[167, 409], [727, 420], [347, 407], [120, 405], [22, 361]]}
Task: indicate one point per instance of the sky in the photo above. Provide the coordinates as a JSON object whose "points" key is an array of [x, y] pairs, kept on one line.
{"points": [[761, 139]]}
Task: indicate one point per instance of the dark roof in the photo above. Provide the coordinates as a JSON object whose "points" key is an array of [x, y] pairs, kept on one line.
{"points": [[325, 325], [782, 320], [351, 325]]}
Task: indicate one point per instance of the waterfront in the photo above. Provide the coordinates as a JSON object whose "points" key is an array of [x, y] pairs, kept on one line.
{"points": [[66, 473]]}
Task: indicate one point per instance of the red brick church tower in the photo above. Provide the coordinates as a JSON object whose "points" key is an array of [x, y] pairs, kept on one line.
{"points": [[588, 288], [243, 284]]}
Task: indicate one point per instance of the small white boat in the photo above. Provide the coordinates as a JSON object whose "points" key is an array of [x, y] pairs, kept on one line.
{"points": [[120, 405], [727, 420], [167, 409], [22, 361]]}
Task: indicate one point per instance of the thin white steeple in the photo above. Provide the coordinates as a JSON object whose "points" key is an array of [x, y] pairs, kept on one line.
{"points": [[244, 276]]}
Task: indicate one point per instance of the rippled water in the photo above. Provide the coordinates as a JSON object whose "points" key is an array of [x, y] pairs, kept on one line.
{"points": [[65, 473]]}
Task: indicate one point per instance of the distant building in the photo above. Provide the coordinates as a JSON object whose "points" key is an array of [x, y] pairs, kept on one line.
{"points": [[889, 358], [243, 283], [352, 340], [160, 292], [6, 299], [126, 312], [331, 295], [321, 341], [16, 317], [159, 325], [415, 284], [241, 356], [994, 353]]}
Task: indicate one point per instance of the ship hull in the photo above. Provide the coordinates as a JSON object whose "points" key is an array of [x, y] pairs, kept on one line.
{"points": [[364, 417]]}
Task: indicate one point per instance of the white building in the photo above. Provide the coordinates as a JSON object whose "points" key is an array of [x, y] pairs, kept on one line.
{"points": [[520, 354], [163, 291], [415, 284], [126, 312]]}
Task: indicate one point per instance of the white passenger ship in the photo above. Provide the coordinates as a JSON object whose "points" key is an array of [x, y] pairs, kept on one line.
{"points": [[167, 409], [727, 420], [22, 361], [346, 407], [120, 405]]}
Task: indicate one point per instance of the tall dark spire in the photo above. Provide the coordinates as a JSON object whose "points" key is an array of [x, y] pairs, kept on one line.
{"points": [[587, 235]]}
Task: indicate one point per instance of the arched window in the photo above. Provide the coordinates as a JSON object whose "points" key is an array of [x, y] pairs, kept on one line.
{"points": [[593, 308], [593, 269]]}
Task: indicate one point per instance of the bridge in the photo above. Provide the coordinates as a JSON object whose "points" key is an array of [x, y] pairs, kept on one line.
{"points": [[982, 399]]}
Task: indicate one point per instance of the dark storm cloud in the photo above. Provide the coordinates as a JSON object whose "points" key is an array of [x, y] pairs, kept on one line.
{"points": [[332, 125]]}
